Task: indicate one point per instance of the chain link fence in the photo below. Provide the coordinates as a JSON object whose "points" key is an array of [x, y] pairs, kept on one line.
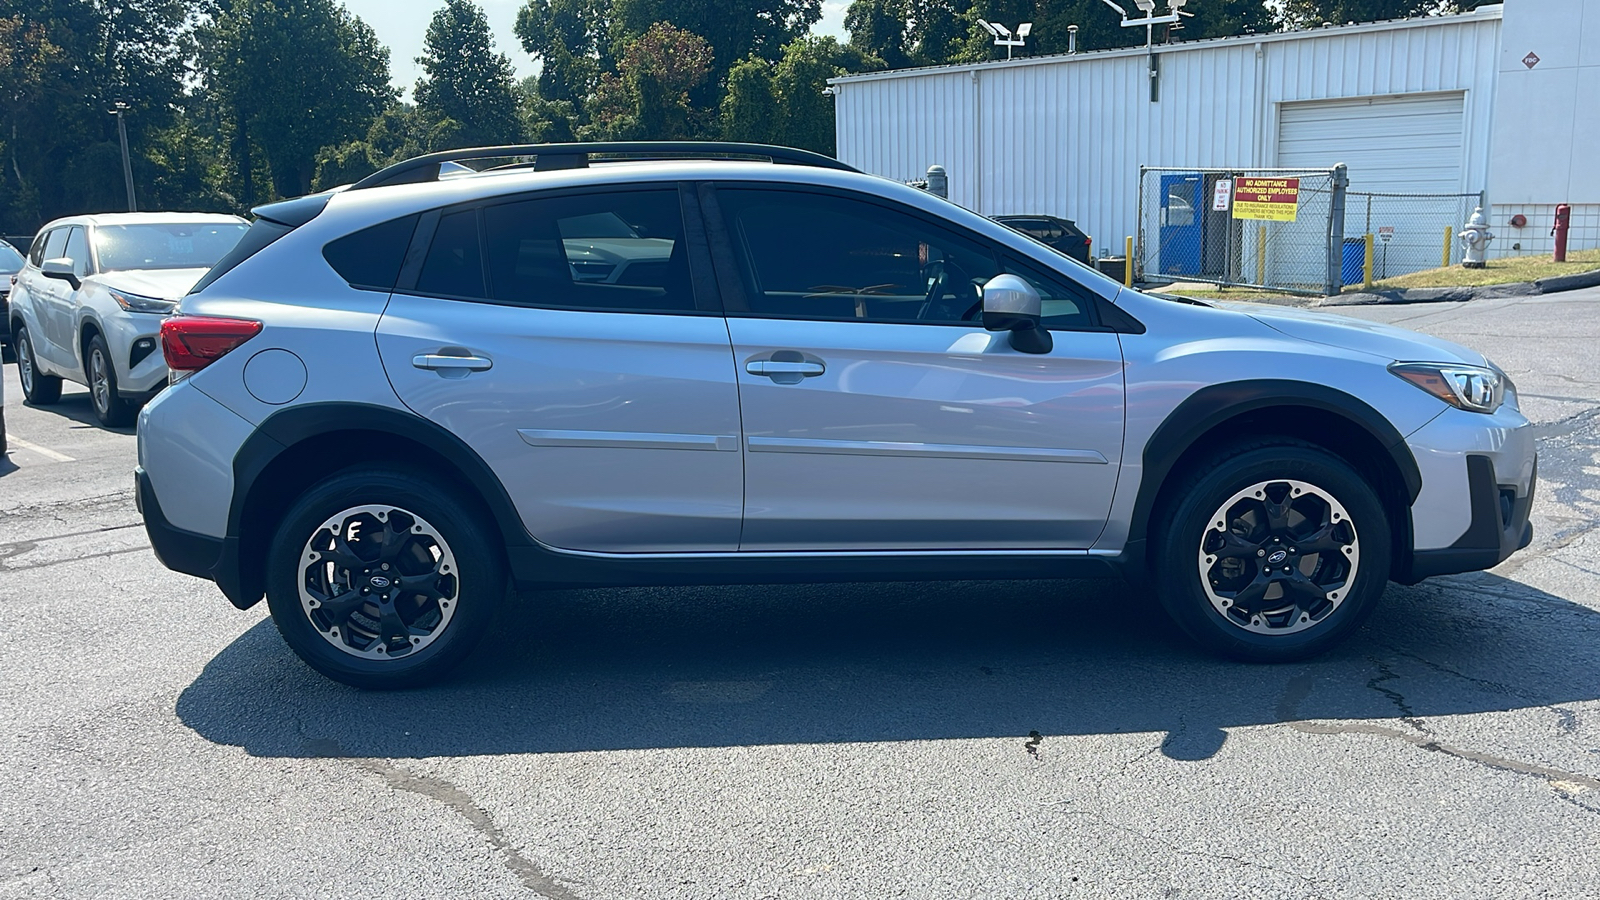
{"points": [[1410, 232], [1268, 228]]}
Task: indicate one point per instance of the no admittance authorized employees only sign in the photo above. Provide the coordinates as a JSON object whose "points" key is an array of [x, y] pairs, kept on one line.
{"points": [[1272, 199]]}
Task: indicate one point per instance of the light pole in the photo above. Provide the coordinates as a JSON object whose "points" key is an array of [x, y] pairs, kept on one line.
{"points": [[118, 107], [1002, 34]]}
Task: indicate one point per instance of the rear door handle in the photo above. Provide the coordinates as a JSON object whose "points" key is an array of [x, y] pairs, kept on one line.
{"points": [[452, 361], [772, 367]]}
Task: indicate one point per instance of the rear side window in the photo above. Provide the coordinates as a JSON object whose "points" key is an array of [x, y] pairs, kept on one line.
{"points": [[261, 234], [454, 266], [370, 258], [620, 251]]}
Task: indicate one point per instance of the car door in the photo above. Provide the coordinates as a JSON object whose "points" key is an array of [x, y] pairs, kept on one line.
{"points": [[564, 338], [878, 413], [48, 295], [64, 301]]}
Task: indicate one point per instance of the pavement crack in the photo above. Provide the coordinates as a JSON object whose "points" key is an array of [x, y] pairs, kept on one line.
{"points": [[1101, 820], [1407, 714], [1559, 779], [438, 789], [1032, 743], [455, 799]]}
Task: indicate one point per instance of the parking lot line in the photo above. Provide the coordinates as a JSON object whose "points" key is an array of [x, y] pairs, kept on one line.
{"points": [[46, 452]]}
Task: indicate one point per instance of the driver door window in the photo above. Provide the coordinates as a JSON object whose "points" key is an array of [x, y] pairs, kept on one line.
{"points": [[815, 256]]}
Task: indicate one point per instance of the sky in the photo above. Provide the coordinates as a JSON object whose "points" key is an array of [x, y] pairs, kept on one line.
{"points": [[400, 25]]}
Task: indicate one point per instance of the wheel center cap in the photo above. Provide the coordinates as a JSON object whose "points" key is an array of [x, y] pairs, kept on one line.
{"points": [[1273, 559], [380, 582]]}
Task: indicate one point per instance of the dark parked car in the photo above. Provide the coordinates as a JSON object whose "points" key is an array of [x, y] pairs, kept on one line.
{"points": [[1061, 235], [11, 263]]}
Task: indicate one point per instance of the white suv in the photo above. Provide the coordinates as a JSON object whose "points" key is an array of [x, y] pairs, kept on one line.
{"points": [[406, 395], [87, 305]]}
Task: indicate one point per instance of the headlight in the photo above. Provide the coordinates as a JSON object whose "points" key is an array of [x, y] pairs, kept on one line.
{"points": [[141, 304], [1473, 388]]}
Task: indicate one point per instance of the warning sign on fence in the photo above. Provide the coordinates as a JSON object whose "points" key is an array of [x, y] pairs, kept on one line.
{"points": [[1273, 199]]}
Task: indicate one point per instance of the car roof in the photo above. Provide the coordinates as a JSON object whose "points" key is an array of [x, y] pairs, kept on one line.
{"points": [[142, 218]]}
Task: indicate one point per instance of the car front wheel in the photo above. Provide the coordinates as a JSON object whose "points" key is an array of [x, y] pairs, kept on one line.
{"points": [[380, 579], [1272, 552], [109, 407]]}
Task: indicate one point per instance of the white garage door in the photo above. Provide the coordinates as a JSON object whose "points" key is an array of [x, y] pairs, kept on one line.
{"points": [[1391, 144]]}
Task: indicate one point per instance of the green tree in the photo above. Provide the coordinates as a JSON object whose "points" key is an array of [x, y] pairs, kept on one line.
{"points": [[570, 40], [467, 81], [648, 97], [295, 76], [1303, 13], [735, 29], [749, 110]]}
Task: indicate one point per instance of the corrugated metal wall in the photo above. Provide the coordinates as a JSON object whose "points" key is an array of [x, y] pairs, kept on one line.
{"points": [[1066, 135]]}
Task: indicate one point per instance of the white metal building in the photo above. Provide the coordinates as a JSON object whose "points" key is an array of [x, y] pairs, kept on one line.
{"points": [[1415, 105]]}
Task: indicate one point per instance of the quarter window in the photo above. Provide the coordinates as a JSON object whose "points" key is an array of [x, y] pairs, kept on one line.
{"points": [[78, 251]]}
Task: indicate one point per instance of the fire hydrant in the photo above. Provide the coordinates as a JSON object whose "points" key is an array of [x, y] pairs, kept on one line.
{"points": [[1475, 237]]}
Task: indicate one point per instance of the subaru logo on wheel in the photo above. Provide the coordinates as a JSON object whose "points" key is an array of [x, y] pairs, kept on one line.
{"points": [[378, 581], [1277, 556]]}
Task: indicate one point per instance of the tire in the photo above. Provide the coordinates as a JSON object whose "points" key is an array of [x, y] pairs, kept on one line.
{"points": [[335, 622], [38, 388], [1274, 584], [101, 372]]}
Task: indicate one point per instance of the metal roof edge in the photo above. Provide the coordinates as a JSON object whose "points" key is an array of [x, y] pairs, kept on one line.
{"points": [[1486, 12]]}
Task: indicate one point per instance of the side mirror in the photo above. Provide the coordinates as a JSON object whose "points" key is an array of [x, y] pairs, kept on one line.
{"points": [[1011, 304], [63, 269]]}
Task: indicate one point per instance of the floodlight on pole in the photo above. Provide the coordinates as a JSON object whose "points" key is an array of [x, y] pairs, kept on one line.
{"points": [[1002, 34]]}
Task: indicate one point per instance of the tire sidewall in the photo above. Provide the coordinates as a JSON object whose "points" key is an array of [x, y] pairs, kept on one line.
{"points": [[111, 416], [1179, 580], [481, 576]]}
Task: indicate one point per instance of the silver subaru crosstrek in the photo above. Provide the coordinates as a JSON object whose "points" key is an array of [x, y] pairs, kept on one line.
{"points": [[717, 363]]}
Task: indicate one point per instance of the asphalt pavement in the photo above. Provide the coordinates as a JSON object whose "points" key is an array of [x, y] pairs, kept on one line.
{"points": [[980, 739]]}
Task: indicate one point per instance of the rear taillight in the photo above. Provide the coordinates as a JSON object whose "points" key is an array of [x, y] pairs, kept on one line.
{"points": [[190, 343]]}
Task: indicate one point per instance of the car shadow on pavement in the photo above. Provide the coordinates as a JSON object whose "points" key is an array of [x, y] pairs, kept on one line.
{"points": [[713, 667], [79, 407]]}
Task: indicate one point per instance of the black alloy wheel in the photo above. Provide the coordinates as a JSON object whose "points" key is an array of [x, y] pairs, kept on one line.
{"points": [[383, 578], [1273, 551]]}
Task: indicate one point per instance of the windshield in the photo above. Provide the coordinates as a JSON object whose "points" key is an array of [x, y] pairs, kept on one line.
{"points": [[167, 245], [10, 260]]}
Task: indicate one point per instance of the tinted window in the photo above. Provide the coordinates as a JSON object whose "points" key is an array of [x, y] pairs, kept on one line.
{"points": [[55, 244], [1062, 306], [617, 251], [454, 267], [261, 234], [36, 252], [167, 245], [77, 250], [371, 258], [10, 260], [825, 257]]}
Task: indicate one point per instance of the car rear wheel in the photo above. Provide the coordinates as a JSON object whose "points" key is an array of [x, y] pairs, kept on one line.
{"points": [[379, 579], [109, 407], [1272, 552], [38, 388]]}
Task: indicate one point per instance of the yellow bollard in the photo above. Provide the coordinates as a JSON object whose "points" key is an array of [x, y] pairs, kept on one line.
{"points": [[1127, 268], [1261, 255], [1449, 232], [1366, 281]]}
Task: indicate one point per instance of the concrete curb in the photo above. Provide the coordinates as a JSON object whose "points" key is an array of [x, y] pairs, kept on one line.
{"points": [[1463, 294]]}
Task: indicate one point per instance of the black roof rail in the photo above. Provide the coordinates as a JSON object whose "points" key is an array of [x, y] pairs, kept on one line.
{"points": [[549, 157]]}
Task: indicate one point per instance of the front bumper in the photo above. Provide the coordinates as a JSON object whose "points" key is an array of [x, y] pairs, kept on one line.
{"points": [[1498, 528]]}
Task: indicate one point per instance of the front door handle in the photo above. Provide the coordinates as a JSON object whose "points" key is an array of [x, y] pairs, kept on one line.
{"points": [[785, 366], [452, 362], [771, 367]]}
